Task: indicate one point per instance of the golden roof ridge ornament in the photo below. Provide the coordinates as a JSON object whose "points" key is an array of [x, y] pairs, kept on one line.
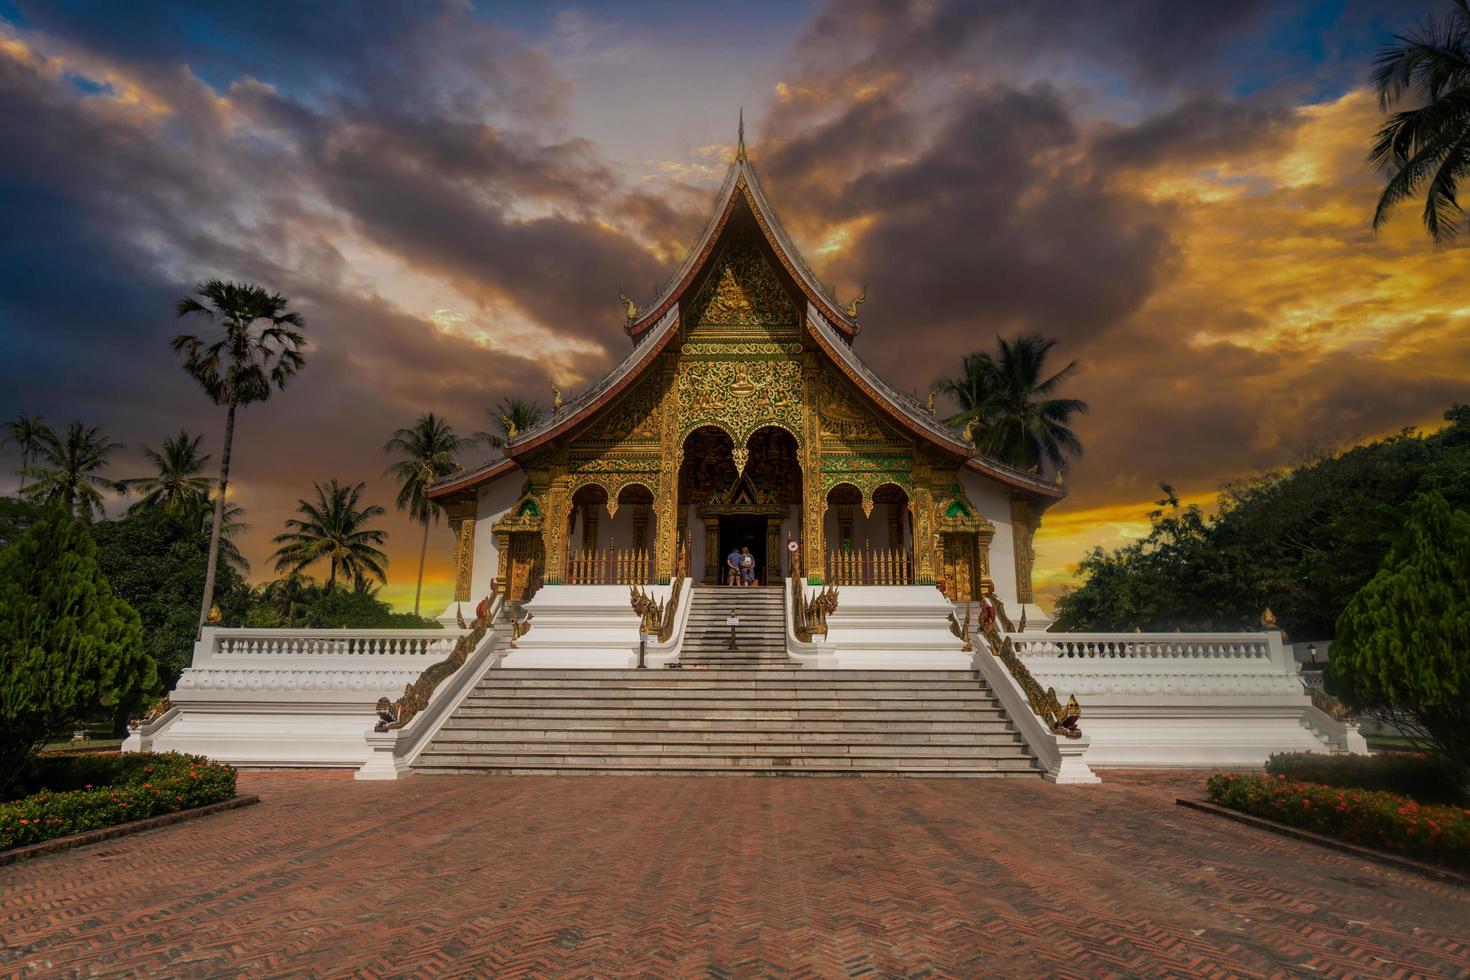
{"points": [[631, 307], [740, 138], [556, 401], [852, 308]]}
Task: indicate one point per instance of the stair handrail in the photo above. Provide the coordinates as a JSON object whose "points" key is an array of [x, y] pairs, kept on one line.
{"points": [[1061, 719], [416, 695]]}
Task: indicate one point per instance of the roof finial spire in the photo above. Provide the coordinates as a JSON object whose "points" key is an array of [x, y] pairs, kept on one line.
{"points": [[740, 141]]}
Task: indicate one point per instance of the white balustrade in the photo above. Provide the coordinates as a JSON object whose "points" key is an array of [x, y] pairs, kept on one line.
{"points": [[1145, 646], [333, 642]]}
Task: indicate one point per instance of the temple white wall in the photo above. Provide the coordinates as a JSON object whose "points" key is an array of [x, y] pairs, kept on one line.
{"points": [[496, 497], [866, 531], [994, 504]]}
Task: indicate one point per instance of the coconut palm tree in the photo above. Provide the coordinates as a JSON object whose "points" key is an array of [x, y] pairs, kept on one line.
{"points": [[27, 432], [334, 527], [1426, 147], [179, 483], [254, 353], [518, 413], [1006, 397], [67, 474], [428, 447], [233, 526], [291, 596]]}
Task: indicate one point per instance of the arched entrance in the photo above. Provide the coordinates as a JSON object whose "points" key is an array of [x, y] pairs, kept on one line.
{"points": [[755, 508], [870, 539], [610, 540]]}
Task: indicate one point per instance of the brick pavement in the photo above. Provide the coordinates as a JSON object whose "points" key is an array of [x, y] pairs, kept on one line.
{"points": [[531, 876]]}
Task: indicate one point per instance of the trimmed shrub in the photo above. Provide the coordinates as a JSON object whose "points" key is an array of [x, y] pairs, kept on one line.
{"points": [[145, 786], [1423, 778], [1387, 821]]}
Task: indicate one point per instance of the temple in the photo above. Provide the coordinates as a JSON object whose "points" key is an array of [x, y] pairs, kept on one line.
{"points": [[744, 417], [885, 625]]}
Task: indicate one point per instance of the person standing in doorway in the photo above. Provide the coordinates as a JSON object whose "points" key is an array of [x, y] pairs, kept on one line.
{"points": [[747, 568], [732, 567]]}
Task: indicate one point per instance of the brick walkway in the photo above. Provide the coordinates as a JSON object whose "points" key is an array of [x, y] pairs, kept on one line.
{"points": [[720, 877]]}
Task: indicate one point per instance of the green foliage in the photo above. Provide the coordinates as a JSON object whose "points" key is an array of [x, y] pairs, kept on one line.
{"points": [[1007, 397], [27, 432], [427, 453], [1403, 643], [91, 792], [1426, 147], [1300, 542], [68, 646], [359, 610], [178, 483], [15, 516], [68, 470], [334, 528], [1423, 778], [1386, 821], [156, 561], [257, 350]]}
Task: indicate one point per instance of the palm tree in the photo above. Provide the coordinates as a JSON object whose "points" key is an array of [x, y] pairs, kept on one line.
{"points": [[233, 526], [334, 527], [255, 354], [179, 484], [69, 474], [1005, 396], [428, 449], [27, 432], [290, 596], [521, 414], [1426, 147]]}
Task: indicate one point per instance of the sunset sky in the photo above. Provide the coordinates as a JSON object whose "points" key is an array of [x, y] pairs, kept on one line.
{"points": [[452, 194]]}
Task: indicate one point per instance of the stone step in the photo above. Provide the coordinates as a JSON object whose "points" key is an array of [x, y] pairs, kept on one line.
{"points": [[613, 673], [774, 696], [666, 680], [798, 753], [597, 739], [776, 727], [898, 772], [551, 760], [869, 715]]}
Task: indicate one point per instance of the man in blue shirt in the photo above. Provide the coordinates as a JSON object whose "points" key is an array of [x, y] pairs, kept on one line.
{"points": [[732, 567]]}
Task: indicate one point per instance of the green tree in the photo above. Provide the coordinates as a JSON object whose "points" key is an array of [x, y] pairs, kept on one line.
{"points": [[1426, 147], [510, 412], [28, 433], [1403, 643], [428, 450], [179, 483], [156, 561], [69, 647], [1301, 541], [290, 597], [1008, 398], [358, 608], [68, 474], [255, 353], [333, 527]]}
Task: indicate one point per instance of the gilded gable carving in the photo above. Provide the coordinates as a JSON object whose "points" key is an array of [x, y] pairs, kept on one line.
{"points": [[743, 291], [844, 416], [740, 396]]}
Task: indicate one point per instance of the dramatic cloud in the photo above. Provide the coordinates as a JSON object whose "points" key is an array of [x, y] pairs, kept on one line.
{"points": [[452, 196]]}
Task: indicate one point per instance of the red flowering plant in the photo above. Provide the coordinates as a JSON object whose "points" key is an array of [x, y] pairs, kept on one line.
{"points": [[80, 793], [1386, 821]]}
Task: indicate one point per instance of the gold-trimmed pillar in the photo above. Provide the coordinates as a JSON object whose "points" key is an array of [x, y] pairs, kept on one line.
{"points": [[1023, 533], [462, 513], [712, 550]]}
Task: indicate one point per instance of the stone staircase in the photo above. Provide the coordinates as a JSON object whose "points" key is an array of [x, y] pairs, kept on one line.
{"points": [[760, 639], [746, 721]]}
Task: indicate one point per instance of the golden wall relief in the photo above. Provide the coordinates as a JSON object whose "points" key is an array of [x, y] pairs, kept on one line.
{"points": [[739, 396], [743, 291]]}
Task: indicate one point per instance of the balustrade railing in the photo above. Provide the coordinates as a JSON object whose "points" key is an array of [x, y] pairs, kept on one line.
{"points": [[343, 642], [870, 566], [610, 566], [1144, 646]]}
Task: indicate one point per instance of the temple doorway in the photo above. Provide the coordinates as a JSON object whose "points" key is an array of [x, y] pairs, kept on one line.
{"points": [[744, 532]]}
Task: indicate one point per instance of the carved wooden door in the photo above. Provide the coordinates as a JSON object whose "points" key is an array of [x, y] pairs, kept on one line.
{"points": [[959, 566], [526, 559]]}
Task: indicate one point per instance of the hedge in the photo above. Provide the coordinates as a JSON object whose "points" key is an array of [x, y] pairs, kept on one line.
{"points": [[127, 787], [1387, 821], [1420, 777]]}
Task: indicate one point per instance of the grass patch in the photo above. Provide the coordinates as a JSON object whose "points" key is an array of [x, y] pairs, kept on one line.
{"points": [[68, 794], [1371, 818]]}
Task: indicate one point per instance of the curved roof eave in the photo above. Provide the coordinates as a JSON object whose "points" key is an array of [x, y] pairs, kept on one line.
{"points": [[469, 479], [917, 419], [741, 178]]}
